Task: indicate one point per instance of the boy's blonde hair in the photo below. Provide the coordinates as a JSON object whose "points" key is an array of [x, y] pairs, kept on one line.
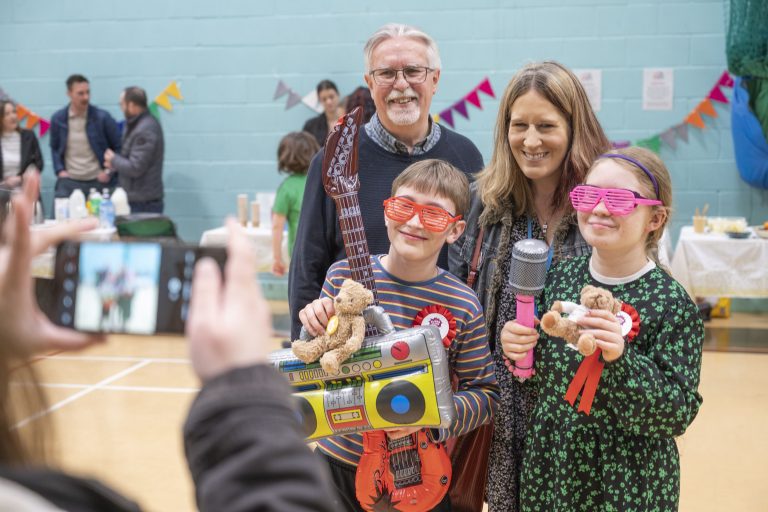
{"points": [[656, 167], [437, 178]]}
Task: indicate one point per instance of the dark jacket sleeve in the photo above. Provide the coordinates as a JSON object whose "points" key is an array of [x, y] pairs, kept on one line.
{"points": [[57, 153], [315, 248], [142, 152], [112, 131], [245, 448]]}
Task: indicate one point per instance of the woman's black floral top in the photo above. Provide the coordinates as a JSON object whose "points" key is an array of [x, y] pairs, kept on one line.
{"points": [[623, 456]]}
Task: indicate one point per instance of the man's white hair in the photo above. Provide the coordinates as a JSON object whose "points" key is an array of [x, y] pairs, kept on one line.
{"points": [[393, 30]]}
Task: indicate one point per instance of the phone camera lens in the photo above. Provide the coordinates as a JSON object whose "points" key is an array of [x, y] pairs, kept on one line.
{"points": [[67, 301], [66, 319], [69, 285]]}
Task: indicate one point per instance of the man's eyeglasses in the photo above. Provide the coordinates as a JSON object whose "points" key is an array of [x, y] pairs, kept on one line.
{"points": [[618, 201], [412, 75], [433, 218]]}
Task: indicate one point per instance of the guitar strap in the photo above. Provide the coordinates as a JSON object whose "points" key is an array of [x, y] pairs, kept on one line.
{"points": [[470, 452]]}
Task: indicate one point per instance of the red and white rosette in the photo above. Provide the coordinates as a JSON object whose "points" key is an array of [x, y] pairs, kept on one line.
{"points": [[630, 321], [440, 317]]}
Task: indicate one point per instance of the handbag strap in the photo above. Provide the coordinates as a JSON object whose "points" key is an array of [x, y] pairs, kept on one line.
{"points": [[475, 258]]}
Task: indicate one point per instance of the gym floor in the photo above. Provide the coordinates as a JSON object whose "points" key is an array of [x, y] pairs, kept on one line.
{"points": [[118, 409]]}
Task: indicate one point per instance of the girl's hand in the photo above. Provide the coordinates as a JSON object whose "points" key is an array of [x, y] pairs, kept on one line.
{"points": [[278, 268], [315, 315], [606, 329], [517, 340]]}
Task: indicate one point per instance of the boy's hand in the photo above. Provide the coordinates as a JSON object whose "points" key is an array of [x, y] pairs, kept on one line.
{"points": [[517, 340], [606, 329], [315, 315], [278, 268], [397, 433]]}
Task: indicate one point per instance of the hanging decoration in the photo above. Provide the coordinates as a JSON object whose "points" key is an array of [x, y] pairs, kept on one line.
{"points": [[163, 99], [461, 106], [309, 100], [695, 118]]}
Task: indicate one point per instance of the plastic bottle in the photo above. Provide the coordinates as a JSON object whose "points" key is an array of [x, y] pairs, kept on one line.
{"points": [[120, 200], [77, 208], [94, 201], [106, 211]]}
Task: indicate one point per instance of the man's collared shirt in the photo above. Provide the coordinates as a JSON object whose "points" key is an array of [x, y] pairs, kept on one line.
{"points": [[376, 131]]}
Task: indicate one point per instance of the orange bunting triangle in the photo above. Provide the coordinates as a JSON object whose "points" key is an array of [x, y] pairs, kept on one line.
{"points": [[173, 90], [695, 119], [706, 107], [163, 101], [32, 120], [21, 111]]}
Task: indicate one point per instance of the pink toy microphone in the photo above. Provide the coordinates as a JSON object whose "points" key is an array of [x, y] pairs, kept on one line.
{"points": [[527, 276]]}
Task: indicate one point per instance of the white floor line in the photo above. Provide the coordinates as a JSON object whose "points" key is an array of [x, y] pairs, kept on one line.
{"points": [[152, 389], [94, 387], [171, 360]]}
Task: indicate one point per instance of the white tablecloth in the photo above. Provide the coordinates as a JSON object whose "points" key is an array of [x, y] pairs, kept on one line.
{"points": [[262, 242], [712, 264]]}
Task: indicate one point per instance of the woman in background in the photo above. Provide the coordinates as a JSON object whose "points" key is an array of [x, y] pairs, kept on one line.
{"points": [[328, 96], [19, 149]]}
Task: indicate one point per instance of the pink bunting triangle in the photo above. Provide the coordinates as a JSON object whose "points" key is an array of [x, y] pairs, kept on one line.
{"points": [[44, 125], [725, 80], [717, 95], [461, 108], [447, 116], [281, 90], [682, 131], [474, 99], [485, 86], [669, 138], [293, 100]]}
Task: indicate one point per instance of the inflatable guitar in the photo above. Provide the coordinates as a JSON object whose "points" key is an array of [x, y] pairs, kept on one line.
{"points": [[397, 379]]}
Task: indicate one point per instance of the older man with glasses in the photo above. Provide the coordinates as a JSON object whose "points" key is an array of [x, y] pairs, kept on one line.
{"points": [[402, 66]]}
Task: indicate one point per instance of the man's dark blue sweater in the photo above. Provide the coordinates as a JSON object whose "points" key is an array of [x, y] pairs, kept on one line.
{"points": [[318, 240]]}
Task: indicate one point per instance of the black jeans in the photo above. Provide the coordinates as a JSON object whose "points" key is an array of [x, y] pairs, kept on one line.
{"points": [[154, 206], [343, 479], [65, 187]]}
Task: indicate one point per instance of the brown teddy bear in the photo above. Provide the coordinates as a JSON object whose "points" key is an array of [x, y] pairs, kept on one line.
{"points": [[344, 333], [555, 325]]}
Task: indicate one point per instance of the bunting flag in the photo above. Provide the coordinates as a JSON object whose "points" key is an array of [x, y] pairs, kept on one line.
{"points": [[44, 125], [154, 109], [447, 116], [281, 90], [436, 118], [293, 100], [725, 80], [695, 119], [618, 144], [461, 108], [705, 107], [173, 90], [162, 100], [32, 120], [652, 143], [485, 86], [669, 138], [312, 101], [21, 111], [717, 95], [472, 97]]}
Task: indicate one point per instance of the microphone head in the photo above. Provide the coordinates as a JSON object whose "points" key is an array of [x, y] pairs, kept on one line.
{"points": [[528, 269]]}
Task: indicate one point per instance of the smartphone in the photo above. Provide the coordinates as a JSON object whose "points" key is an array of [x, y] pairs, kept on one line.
{"points": [[125, 287]]}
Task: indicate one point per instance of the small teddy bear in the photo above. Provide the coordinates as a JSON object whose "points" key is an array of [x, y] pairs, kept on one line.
{"points": [[555, 325], [344, 333]]}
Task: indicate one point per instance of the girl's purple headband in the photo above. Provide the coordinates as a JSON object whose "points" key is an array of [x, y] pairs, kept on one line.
{"points": [[641, 166]]}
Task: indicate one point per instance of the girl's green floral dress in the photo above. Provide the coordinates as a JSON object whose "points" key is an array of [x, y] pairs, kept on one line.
{"points": [[623, 456]]}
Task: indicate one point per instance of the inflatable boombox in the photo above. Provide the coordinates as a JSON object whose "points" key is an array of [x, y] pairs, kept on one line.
{"points": [[395, 380]]}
